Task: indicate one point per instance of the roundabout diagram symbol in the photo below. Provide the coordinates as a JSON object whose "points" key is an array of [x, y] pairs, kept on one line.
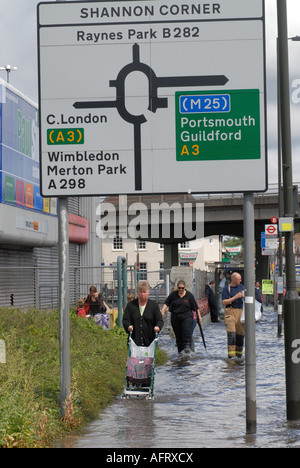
{"points": [[154, 102]]}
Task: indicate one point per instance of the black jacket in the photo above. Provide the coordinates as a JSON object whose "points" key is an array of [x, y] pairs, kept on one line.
{"points": [[211, 298], [143, 326], [181, 305], [95, 307]]}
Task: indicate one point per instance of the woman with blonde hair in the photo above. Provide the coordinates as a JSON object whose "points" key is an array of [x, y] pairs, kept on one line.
{"points": [[142, 317]]}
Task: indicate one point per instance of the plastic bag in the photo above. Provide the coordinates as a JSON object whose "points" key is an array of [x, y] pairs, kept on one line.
{"points": [[141, 351], [257, 312]]}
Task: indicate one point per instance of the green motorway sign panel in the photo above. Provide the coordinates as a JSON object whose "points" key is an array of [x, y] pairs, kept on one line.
{"points": [[218, 125]]}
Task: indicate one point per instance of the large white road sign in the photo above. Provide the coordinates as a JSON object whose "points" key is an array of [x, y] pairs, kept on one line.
{"points": [[154, 96]]}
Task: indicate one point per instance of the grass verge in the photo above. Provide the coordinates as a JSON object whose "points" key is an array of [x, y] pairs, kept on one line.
{"points": [[30, 382]]}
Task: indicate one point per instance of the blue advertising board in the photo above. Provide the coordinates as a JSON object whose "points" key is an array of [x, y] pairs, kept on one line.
{"points": [[19, 153]]}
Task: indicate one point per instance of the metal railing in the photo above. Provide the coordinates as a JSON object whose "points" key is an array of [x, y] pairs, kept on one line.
{"points": [[38, 287]]}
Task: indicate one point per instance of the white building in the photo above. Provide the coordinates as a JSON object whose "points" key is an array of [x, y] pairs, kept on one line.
{"points": [[198, 254]]}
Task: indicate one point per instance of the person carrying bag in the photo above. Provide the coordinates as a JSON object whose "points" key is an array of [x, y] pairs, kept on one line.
{"points": [[232, 299]]}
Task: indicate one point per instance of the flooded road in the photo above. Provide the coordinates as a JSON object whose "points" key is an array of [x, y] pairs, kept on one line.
{"points": [[200, 400]]}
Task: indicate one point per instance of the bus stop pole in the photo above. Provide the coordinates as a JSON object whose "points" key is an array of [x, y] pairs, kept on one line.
{"points": [[249, 282]]}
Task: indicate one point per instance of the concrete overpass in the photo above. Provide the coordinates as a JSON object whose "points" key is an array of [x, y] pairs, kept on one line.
{"points": [[223, 215]]}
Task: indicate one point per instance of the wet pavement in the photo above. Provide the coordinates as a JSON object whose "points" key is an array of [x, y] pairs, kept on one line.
{"points": [[200, 400]]}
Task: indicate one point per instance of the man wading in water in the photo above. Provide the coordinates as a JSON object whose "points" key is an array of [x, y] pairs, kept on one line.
{"points": [[232, 299]]}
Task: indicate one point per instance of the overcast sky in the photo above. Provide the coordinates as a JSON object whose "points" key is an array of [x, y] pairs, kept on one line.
{"points": [[18, 47]]}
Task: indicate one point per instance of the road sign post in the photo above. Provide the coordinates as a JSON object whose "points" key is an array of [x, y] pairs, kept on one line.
{"points": [[63, 299], [250, 314], [64, 309]]}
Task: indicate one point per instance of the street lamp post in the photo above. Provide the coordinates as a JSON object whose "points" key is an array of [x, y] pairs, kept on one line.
{"points": [[280, 195], [8, 69], [291, 303]]}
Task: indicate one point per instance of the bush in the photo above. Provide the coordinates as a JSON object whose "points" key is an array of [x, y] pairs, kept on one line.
{"points": [[30, 382], [30, 379]]}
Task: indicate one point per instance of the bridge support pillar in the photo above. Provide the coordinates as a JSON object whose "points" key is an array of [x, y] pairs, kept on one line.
{"points": [[170, 255]]}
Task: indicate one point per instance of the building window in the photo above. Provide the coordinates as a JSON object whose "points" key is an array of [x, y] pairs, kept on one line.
{"points": [[185, 245], [117, 243], [185, 264], [140, 245], [143, 271]]}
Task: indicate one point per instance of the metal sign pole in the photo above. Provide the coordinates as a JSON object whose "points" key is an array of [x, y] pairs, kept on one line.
{"points": [[250, 313], [64, 313]]}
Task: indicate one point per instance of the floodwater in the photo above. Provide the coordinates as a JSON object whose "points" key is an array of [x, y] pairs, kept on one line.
{"points": [[200, 400]]}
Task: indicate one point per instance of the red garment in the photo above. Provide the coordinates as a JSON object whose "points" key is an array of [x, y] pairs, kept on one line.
{"points": [[80, 312]]}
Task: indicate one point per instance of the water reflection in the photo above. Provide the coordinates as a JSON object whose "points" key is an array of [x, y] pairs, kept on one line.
{"points": [[200, 400]]}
